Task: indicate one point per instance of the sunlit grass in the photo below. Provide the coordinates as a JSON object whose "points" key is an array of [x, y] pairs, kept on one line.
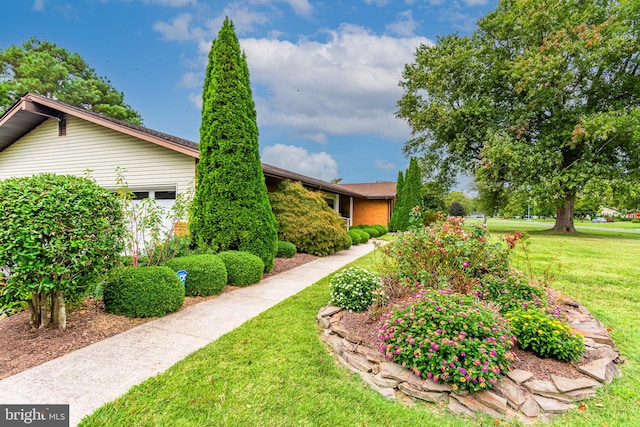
{"points": [[274, 370]]}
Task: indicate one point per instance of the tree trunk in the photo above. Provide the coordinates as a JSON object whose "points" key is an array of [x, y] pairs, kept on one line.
{"points": [[58, 310], [42, 308], [564, 217], [34, 320]]}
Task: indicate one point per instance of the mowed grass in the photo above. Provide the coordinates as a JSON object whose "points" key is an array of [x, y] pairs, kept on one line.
{"points": [[275, 371]]}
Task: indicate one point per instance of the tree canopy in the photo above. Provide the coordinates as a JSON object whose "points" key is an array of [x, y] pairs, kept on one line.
{"points": [[542, 99], [44, 68], [231, 210]]}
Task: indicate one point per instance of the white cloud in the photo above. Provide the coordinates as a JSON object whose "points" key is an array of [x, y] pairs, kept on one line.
{"points": [[38, 5], [346, 85], [196, 100], [385, 165], [191, 80], [300, 7], [475, 2], [297, 159], [179, 28], [405, 25], [376, 2]]}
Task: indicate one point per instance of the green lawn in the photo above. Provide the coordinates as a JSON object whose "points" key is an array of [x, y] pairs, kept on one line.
{"points": [[274, 370]]}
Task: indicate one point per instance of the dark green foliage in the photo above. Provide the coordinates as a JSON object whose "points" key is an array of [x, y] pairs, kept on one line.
{"points": [[456, 209], [409, 196], [382, 230], [397, 207], [286, 249], [143, 291], [305, 220], [363, 235], [43, 68], [354, 236], [206, 274], [59, 234], [231, 210], [371, 231], [243, 268]]}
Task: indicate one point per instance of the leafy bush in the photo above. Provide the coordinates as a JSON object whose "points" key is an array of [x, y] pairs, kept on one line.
{"points": [[456, 209], [59, 234], [243, 268], [354, 236], [363, 235], [371, 231], [305, 219], [354, 288], [286, 249], [545, 334], [450, 338], [382, 230], [446, 255], [143, 291], [510, 290], [206, 274]]}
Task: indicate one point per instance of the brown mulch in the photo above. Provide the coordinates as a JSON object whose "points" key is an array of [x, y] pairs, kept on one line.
{"points": [[24, 347]]}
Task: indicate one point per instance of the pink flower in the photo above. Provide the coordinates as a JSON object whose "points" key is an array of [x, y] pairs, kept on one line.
{"points": [[465, 264]]}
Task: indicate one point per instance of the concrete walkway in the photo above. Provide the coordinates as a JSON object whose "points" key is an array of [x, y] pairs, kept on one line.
{"points": [[92, 376]]}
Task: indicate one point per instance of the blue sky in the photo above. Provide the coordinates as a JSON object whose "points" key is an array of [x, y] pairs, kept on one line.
{"points": [[324, 73]]}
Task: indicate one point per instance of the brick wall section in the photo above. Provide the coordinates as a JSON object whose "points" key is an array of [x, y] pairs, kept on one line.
{"points": [[371, 212]]}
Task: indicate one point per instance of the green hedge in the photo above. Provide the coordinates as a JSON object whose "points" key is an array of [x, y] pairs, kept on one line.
{"points": [[143, 291], [364, 236], [206, 274], [286, 249], [356, 238], [243, 268], [372, 231]]}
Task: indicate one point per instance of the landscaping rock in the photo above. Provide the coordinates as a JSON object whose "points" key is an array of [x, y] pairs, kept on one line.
{"points": [[552, 406], [372, 355], [395, 371], [602, 370], [357, 361], [339, 329], [492, 400], [381, 381], [329, 310], [427, 396], [459, 409], [547, 389], [476, 406], [510, 391], [595, 330], [519, 375], [569, 384], [387, 392], [430, 385], [530, 408]]}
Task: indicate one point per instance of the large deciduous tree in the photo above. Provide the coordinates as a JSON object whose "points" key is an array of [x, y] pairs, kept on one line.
{"points": [[44, 68], [543, 99], [231, 210]]}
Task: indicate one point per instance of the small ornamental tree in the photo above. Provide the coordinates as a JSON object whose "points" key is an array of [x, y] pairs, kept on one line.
{"points": [[231, 210], [409, 196], [305, 219], [58, 234], [397, 207], [456, 209]]}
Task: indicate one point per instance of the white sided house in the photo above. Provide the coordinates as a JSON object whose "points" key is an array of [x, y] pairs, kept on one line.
{"points": [[39, 134]]}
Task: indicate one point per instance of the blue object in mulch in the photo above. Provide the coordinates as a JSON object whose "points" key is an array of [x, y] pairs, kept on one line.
{"points": [[182, 275]]}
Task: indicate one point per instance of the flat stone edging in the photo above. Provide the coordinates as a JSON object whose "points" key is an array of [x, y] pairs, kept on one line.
{"points": [[517, 395]]}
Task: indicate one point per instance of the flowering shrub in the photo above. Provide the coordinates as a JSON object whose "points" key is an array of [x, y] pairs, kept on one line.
{"points": [[450, 338], [509, 290], [446, 255], [545, 334], [355, 289]]}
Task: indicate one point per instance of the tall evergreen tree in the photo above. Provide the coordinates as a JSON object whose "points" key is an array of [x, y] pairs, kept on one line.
{"points": [[397, 206], [231, 210]]}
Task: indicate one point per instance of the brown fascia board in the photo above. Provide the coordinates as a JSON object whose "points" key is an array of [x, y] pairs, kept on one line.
{"points": [[119, 126]]}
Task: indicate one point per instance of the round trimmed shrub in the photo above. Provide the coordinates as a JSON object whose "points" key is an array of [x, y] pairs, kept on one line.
{"points": [[364, 236], [354, 288], [243, 268], [206, 274], [449, 338], [372, 231], [286, 249], [355, 236], [143, 291], [382, 230]]}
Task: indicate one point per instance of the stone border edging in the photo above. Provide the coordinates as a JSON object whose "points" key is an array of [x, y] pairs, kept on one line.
{"points": [[517, 395]]}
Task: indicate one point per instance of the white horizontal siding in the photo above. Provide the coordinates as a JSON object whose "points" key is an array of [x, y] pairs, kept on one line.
{"points": [[102, 150]]}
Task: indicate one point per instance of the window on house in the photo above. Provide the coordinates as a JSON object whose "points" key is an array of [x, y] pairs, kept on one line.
{"points": [[165, 195]]}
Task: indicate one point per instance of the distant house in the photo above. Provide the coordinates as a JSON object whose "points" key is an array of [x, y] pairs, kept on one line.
{"points": [[39, 134], [633, 215]]}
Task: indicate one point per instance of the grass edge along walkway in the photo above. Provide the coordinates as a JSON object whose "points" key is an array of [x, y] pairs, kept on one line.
{"points": [[275, 371]]}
